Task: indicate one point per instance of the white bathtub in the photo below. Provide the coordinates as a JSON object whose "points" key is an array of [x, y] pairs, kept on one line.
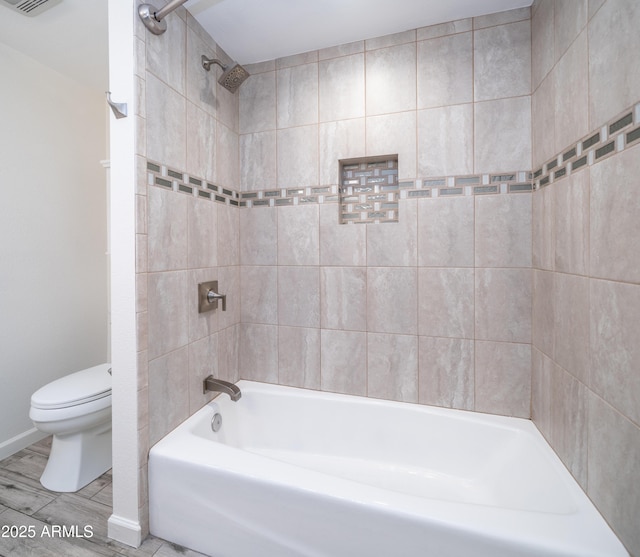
{"points": [[294, 472]]}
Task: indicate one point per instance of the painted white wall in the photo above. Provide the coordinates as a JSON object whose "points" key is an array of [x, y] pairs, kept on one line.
{"points": [[124, 524], [53, 239]]}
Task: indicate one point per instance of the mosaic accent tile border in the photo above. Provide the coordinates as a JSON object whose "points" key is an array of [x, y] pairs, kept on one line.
{"points": [[182, 182], [615, 136]]}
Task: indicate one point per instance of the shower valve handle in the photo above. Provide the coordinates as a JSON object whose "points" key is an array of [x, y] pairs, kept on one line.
{"points": [[213, 296]]}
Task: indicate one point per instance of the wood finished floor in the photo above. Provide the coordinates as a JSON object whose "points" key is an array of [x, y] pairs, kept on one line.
{"points": [[24, 502]]}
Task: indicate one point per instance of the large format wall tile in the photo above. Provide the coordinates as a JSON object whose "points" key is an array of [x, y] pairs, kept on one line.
{"points": [[394, 244], [392, 367], [614, 223], [503, 231], [299, 357], [445, 71], [502, 61], [446, 302], [392, 296], [167, 230], [299, 296], [168, 312], [447, 371], [503, 378], [258, 103], [298, 235], [343, 362], [341, 88], [572, 224], [297, 100], [446, 232], [258, 354], [391, 79], [503, 304], [445, 140], [343, 298]]}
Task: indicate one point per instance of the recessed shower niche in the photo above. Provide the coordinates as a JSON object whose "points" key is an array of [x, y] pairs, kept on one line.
{"points": [[369, 190]]}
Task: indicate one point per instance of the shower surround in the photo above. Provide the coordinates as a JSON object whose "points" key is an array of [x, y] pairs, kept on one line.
{"points": [[434, 309]]}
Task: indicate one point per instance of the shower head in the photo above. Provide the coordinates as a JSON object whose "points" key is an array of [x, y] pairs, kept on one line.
{"points": [[233, 75]]}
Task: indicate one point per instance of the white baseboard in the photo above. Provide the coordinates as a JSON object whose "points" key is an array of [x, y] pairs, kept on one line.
{"points": [[19, 442], [124, 530]]}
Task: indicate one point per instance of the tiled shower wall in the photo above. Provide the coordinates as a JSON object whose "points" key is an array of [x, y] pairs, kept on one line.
{"points": [[586, 278], [436, 308], [190, 124]]}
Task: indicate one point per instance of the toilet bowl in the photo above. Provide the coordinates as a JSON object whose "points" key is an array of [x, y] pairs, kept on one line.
{"points": [[76, 410]]}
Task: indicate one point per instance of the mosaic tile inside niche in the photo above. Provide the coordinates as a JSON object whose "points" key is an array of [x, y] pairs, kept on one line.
{"points": [[615, 136], [369, 190]]}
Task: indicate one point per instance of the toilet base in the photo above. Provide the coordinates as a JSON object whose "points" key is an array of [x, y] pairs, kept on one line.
{"points": [[77, 459]]}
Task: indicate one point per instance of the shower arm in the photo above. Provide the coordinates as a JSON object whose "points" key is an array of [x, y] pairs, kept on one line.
{"points": [[153, 19]]}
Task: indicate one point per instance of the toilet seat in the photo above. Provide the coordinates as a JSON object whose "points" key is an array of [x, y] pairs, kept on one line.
{"points": [[82, 387]]}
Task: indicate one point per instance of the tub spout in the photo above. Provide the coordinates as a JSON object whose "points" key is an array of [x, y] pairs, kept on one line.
{"points": [[213, 384]]}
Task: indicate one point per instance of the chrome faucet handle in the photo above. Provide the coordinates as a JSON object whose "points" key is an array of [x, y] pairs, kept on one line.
{"points": [[213, 296]]}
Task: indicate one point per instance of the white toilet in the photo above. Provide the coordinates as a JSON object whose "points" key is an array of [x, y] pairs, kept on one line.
{"points": [[76, 409]]}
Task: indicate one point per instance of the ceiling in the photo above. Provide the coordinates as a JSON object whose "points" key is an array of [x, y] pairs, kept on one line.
{"points": [[71, 37]]}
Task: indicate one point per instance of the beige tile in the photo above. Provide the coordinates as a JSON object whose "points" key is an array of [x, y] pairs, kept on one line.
{"points": [[257, 98], [297, 97], [572, 224], [543, 116], [543, 228], [446, 302], [442, 29], [570, 20], [394, 134], [299, 296], [445, 71], [391, 79], [503, 135], [445, 141], [258, 161], [228, 155], [258, 353], [503, 305], [594, 6], [298, 235], [228, 353], [343, 362], [299, 357], [343, 298], [503, 231], [391, 40], [614, 73], [258, 295], [167, 230], [341, 88], [341, 50], [447, 372], [229, 284], [340, 244], [572, 96], [228, 103], [392, 298], [200, 85], [168, 312], [502, 61], [258, 236], [501, 18], [228, 235], [297, 157], [503, 378], [542, 369], [166, 58], [394, 244], [297, 59], [168, 393], [543, 325], [202, 215], [201, 143], [392, 367], [614, 225], [615, 344], [569, 423], [542, 42], [446, 232], [337, 141], [614, 453], [203, 361], [161, 99]]}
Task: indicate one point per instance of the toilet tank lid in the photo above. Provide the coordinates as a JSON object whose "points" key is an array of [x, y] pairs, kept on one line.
{"points": [[82, 386]]}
